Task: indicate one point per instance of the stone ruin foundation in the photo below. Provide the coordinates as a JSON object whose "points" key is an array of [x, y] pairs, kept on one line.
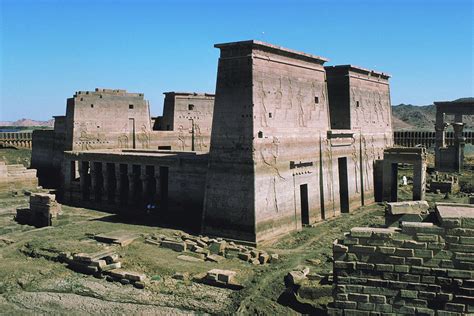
{"points": [[422, 268], [43, 209]]}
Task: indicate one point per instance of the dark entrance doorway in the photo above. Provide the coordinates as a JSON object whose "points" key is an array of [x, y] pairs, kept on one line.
{"points": [[343, 184], [304, 204]]}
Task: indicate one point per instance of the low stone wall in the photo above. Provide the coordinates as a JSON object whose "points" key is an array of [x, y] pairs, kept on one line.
{"points": [[418, 268], [16, 177]]}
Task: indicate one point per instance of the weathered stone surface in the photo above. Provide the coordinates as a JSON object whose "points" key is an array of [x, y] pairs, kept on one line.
{"points": [[407, 207]]}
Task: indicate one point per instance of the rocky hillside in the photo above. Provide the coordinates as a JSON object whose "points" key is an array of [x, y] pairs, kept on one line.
{"points": [[27, 122], [412, 117]]}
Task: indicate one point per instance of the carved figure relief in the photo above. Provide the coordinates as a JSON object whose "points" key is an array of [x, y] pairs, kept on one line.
{"points": [[269, 155], [144, 137], [122, 140], [181, 137]]}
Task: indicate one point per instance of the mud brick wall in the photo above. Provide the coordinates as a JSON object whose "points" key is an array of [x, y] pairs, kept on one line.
{"points": [[420, 268]]}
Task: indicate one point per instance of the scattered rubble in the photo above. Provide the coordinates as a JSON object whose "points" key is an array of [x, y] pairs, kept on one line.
{"points": [[215, 250], [221, 278]]}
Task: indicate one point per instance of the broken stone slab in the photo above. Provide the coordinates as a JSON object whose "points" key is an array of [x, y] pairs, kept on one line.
{"points": [[407, 207], [82, 267], [226, 276], [135, 276], [117, 273], [86, 257], [375, 232], [178, 246], [215, 258], [201, 243], [112, 266], [263, 258], [295, 277], [244, 256], [274, 257], [98, 263], [190, 258], [152, 242], [217, 247], [119, 238], [182, 276]]}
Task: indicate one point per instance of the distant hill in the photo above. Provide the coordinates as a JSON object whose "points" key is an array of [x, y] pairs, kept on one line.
{"points": [[27, 122], [413, 117]]}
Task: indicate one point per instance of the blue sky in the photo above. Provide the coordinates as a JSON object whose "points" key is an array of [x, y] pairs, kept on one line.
{"points": [[50, 49]]}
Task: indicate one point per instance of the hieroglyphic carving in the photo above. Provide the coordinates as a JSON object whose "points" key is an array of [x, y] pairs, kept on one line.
{"points": [[269, 156]]}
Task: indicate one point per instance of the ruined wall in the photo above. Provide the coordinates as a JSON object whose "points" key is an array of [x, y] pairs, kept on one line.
{"points": [[419, 268], [16, 177]]}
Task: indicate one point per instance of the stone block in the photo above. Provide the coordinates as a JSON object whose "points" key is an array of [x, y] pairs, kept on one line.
{"points": [[244, 256], [401, 268], [466, 232], [424, 228], [359, 297], [427, 295], [454, 307], [135, 276], [344, 265], [178, 246], [216, 258], [395, 260], [402, 252], [365, 306], [383, 308], [362, 249], [378, 299], [408, 294], [414, 278], [427, 237], [414, 244], [466, 240], [424, 253], [444, 296], [217, 247], [461, 248], [407, 207], [345, 304], [386, 250], [350, 241], [263, 258], [339, 248], [420, 270], [414, 261], [384, 267], [462, 274]]}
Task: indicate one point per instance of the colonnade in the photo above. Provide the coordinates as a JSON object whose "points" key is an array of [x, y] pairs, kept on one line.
{"points": [[118, 184]]}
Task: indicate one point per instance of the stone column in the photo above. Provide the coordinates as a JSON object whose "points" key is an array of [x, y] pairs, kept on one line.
{"points": [[131, 185], [419, 181], [144, 178], [66, 179], [118, 184], [83, 174], [459, 143], [158, 184], [94, 175], [105, 182]]}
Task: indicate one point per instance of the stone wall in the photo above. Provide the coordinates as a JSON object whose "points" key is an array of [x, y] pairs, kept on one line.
{"points": [[16, 177], [420, 268]]}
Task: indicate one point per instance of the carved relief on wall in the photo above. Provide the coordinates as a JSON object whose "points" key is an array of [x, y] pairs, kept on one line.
{"points": [[144, 137], [85, 138], [269, 156], [261, 97], [122, 140], [181, 137]]}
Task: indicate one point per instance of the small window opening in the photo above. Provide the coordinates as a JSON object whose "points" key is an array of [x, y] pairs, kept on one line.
{"points": [[190, 107], [357, 104], [82, 99], [260, 134], [130, 106], [270, 115], [316, 100], [92, 105]]}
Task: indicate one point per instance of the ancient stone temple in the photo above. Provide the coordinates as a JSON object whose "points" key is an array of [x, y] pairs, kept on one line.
{"points": [[286, 142], [450, 157]]}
